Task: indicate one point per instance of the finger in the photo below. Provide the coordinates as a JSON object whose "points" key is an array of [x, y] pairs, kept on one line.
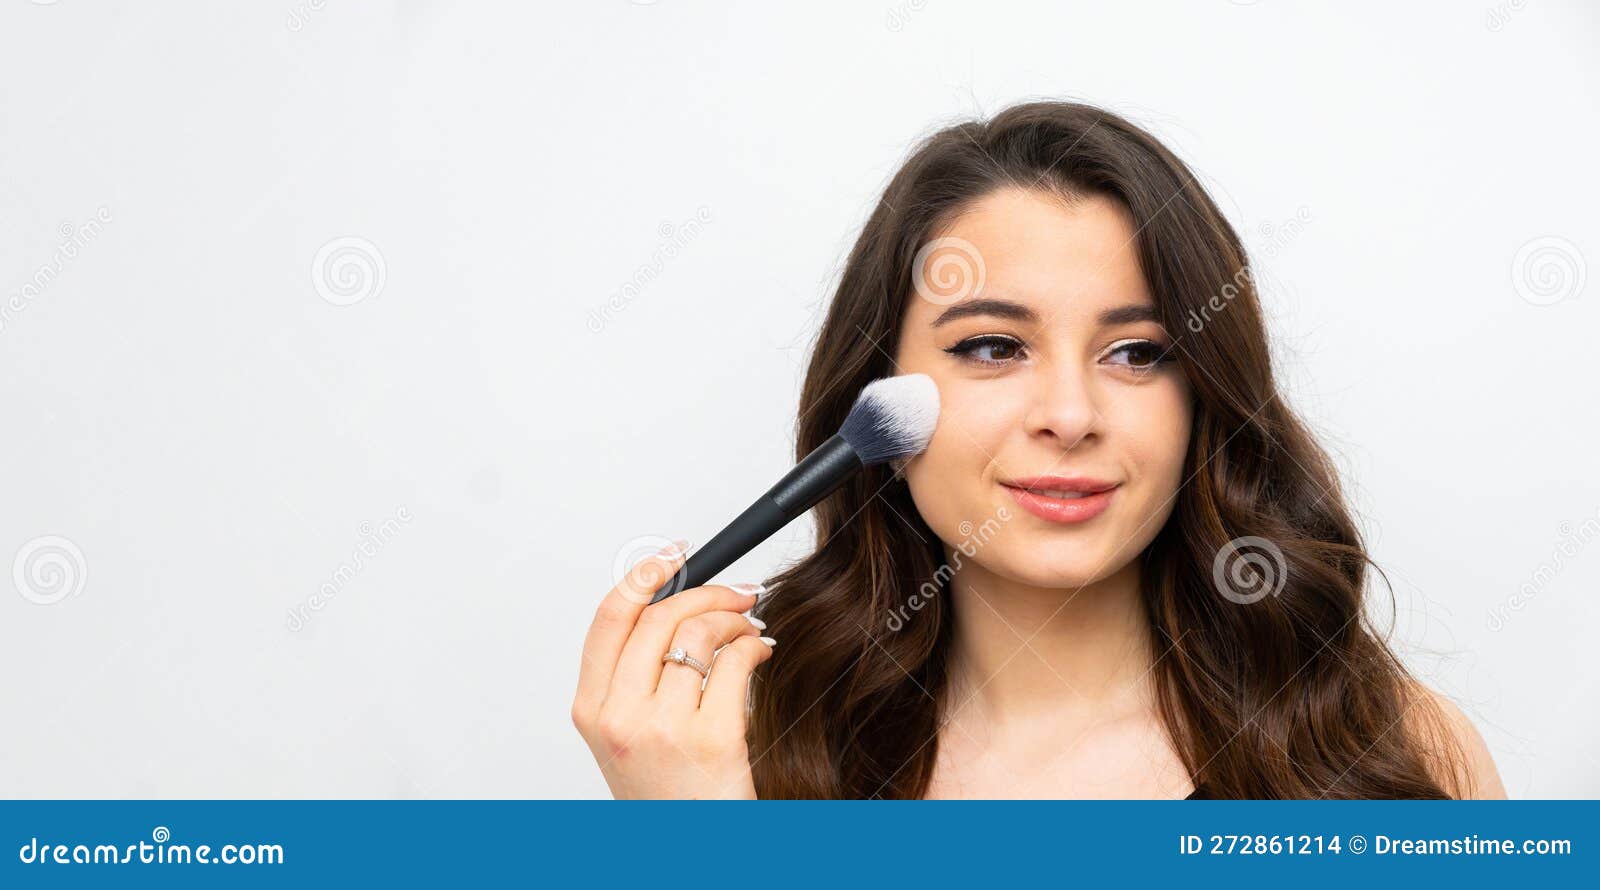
{"points": [[639, 666], [728, 688], [614, 620], [700, 636]]}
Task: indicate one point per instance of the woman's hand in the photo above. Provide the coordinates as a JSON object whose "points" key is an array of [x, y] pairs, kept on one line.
{"points": [[648, 723]]}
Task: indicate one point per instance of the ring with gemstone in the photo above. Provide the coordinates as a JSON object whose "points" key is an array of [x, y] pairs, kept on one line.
{"points": [[678, 656]]}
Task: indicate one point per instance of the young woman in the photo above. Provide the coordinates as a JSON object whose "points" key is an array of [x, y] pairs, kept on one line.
{"points": [[1122, 568]]}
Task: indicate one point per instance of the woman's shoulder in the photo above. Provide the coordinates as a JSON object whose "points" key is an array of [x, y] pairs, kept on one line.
{"points": [[1457, 754]]}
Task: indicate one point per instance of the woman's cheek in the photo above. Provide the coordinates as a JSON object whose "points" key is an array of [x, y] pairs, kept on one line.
{"points": [[946, 479], [1179, 412], [932, 499], [975, 416], [1160, 442]]}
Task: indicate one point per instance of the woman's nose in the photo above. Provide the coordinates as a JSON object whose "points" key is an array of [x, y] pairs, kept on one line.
{"points": [[1063, 408]]}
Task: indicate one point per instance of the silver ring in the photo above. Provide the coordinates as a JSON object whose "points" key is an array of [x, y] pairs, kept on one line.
{"points": [[678, 656]]}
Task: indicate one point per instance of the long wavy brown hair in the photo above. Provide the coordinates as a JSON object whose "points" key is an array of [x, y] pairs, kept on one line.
{"points": [[1295, 696]]}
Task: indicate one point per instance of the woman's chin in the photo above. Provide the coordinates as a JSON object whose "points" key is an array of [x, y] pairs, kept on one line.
{"points": [[1067, 574]]}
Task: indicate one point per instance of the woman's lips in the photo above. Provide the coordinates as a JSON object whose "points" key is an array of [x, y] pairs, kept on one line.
{"points": [[1057, 499]]}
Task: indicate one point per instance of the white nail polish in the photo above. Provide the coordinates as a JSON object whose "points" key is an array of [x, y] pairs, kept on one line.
{"points": [[760, 625], [769, 641], [675, 549], [753, 589]]}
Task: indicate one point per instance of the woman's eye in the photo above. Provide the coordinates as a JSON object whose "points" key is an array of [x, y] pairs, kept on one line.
{"points": [[987, 350], [1140, 355]]}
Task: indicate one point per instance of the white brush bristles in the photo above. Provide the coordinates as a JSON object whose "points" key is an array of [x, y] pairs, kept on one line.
{"points": [[893, 418]]}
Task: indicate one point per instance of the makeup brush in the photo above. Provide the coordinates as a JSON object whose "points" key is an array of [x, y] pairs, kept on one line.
{"points": [[892, 418]]}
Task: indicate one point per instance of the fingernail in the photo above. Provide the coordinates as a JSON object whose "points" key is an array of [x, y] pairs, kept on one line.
{"points": [[749, 589], [769, 641], [675, 549], [760, 625]]}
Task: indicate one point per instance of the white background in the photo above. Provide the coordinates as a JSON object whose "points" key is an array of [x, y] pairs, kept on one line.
{"points": [[186, 409]]}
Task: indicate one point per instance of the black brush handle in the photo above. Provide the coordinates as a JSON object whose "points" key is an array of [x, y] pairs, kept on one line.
{"points": [[811, 480]]}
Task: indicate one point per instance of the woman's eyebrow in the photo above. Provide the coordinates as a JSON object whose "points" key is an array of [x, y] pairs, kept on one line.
{"points": [[988, 306], [1130, 314]]}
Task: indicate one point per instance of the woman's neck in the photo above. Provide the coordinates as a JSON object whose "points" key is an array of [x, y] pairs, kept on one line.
{"points": [[1021, 652]]}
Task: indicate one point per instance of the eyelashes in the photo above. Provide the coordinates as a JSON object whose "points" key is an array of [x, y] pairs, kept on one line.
{"points": [[1150, 354], [1138, 355], [970, 349]]}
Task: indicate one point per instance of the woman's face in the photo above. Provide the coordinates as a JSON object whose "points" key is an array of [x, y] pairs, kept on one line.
{"points": [[1063, 421]]}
